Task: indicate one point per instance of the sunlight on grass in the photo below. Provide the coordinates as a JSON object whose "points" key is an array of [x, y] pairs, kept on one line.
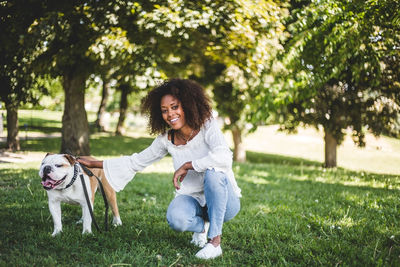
{"points": [[255, 180], [381, 155], [163, 166], [305, 215], [293, 212], [346, 222], [262, 210]]}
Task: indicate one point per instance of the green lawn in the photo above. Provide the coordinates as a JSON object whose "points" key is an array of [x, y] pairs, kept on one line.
{"points": [[294, 212]]}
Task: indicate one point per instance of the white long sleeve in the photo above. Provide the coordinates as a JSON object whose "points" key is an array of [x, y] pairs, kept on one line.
{"points": [[219, 156], [207, 150], [120, 171]]}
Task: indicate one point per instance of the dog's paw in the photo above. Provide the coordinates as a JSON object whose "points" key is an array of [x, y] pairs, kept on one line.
{"points": [[80, 221], [87, 232], [117, 221], [56, 232]]}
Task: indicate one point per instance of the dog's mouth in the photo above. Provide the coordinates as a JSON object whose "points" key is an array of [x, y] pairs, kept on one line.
{"points": [[49, 183]]}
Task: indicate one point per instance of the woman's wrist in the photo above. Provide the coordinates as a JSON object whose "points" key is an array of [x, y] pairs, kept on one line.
{"points": [[188, 165], [97, 164], [91, 163]]}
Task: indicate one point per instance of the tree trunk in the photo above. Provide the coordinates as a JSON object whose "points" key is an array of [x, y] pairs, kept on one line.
{"points": [[123, 106], [100, 123], [75, 126], [1, 122], [239, 152], [12, 127], [330, 150]]}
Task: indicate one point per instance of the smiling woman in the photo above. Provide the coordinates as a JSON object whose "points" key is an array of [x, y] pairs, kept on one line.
{"points": [[206, 192], [190, 98]]}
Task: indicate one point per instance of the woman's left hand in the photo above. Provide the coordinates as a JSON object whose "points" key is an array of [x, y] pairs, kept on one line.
{"points": [[181, 173]]}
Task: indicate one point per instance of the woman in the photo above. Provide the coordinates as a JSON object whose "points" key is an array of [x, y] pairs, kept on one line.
{"points": [[206, 191]]}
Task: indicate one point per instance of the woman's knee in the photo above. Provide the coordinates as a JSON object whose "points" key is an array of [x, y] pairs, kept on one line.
{"points": [[179, 217], [178, 224], [232, 209], [213, 178]]}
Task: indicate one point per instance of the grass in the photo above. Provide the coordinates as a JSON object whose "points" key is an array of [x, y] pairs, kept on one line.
{"points": [[294, 213], [380, 155]]}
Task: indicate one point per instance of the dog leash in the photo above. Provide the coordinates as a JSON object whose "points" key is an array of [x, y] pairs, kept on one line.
{"points": [[88, 202], [90, 173]]}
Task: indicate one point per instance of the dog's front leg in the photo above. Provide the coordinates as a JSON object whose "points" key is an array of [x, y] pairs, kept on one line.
{"points": [[55, 210], [87, 219]]}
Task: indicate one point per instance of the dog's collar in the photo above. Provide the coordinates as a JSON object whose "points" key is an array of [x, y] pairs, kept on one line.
{"points": [[76, 171]]}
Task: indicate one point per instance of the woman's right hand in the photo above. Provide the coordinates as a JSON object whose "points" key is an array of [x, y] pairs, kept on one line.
{"points": [[90, 163], [86, 162], [180, 174]]}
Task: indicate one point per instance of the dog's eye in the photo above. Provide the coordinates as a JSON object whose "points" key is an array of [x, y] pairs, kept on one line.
{"points": [[59, 165]]}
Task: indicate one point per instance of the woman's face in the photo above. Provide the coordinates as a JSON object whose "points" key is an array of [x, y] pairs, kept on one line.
{"points": [[172, 112]]}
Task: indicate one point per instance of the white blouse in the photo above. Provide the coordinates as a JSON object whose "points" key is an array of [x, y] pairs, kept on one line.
{"points": [[207, 150]]}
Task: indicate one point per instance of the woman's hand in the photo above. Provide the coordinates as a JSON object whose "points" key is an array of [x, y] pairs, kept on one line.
{"points": [[90, 163], [181, 173]]}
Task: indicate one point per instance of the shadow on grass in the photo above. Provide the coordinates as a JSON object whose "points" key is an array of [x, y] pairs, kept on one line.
{"points": [[52, 145], [109, 145], [99, 145], [46, 126], [118, 145], [300, 164], [282, 212], [39, 125], [257, 157]]}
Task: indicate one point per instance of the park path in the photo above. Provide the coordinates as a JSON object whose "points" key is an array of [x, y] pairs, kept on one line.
{"points": [[24, 156]]}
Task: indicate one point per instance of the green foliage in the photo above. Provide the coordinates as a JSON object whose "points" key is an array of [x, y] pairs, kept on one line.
{"points": [[222, 44], [252, 44], [17, 50], [65, 32], [342, 68], [54, 97]]}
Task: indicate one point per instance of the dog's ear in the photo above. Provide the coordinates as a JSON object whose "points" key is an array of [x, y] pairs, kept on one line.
{"points": [[48, 154], [70, 159]]}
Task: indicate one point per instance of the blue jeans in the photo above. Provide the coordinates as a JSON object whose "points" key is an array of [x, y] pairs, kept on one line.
{"points": [[185, 213]]}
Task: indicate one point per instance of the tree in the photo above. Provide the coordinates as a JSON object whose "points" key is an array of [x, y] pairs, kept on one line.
{"points": [[253, 41], [125, 56], [100, 121], [17, 51], [225, 45], [342, 70], [111, 50], [67, 31]]}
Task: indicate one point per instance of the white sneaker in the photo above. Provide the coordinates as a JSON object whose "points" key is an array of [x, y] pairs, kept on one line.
{"points": [[200, 239], [209, 252]]}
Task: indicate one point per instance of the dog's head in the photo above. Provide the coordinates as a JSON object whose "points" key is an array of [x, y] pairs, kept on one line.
{"points": [[55, 168]]}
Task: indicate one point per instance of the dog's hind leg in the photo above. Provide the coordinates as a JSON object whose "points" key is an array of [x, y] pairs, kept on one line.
{"points": [[93, 187], [112, 201]]}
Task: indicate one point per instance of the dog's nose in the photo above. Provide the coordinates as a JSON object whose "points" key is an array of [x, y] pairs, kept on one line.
{"points": [[47, 169]]}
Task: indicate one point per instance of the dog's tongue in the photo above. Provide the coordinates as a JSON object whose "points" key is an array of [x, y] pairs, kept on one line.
{"points": [[49, 183]]}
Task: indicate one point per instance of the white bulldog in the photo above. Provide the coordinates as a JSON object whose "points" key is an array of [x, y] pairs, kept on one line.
{"points": [[60, 177]]}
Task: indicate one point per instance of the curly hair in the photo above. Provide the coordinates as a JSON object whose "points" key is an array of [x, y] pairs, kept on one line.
{"points": [[195, 104]]}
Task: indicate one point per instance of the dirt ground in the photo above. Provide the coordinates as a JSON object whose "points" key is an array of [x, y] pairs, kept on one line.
{"points": [[23, 156], [20, 156]]}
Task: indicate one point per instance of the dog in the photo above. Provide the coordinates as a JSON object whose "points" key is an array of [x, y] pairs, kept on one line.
{"points": [[60, 177]]}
